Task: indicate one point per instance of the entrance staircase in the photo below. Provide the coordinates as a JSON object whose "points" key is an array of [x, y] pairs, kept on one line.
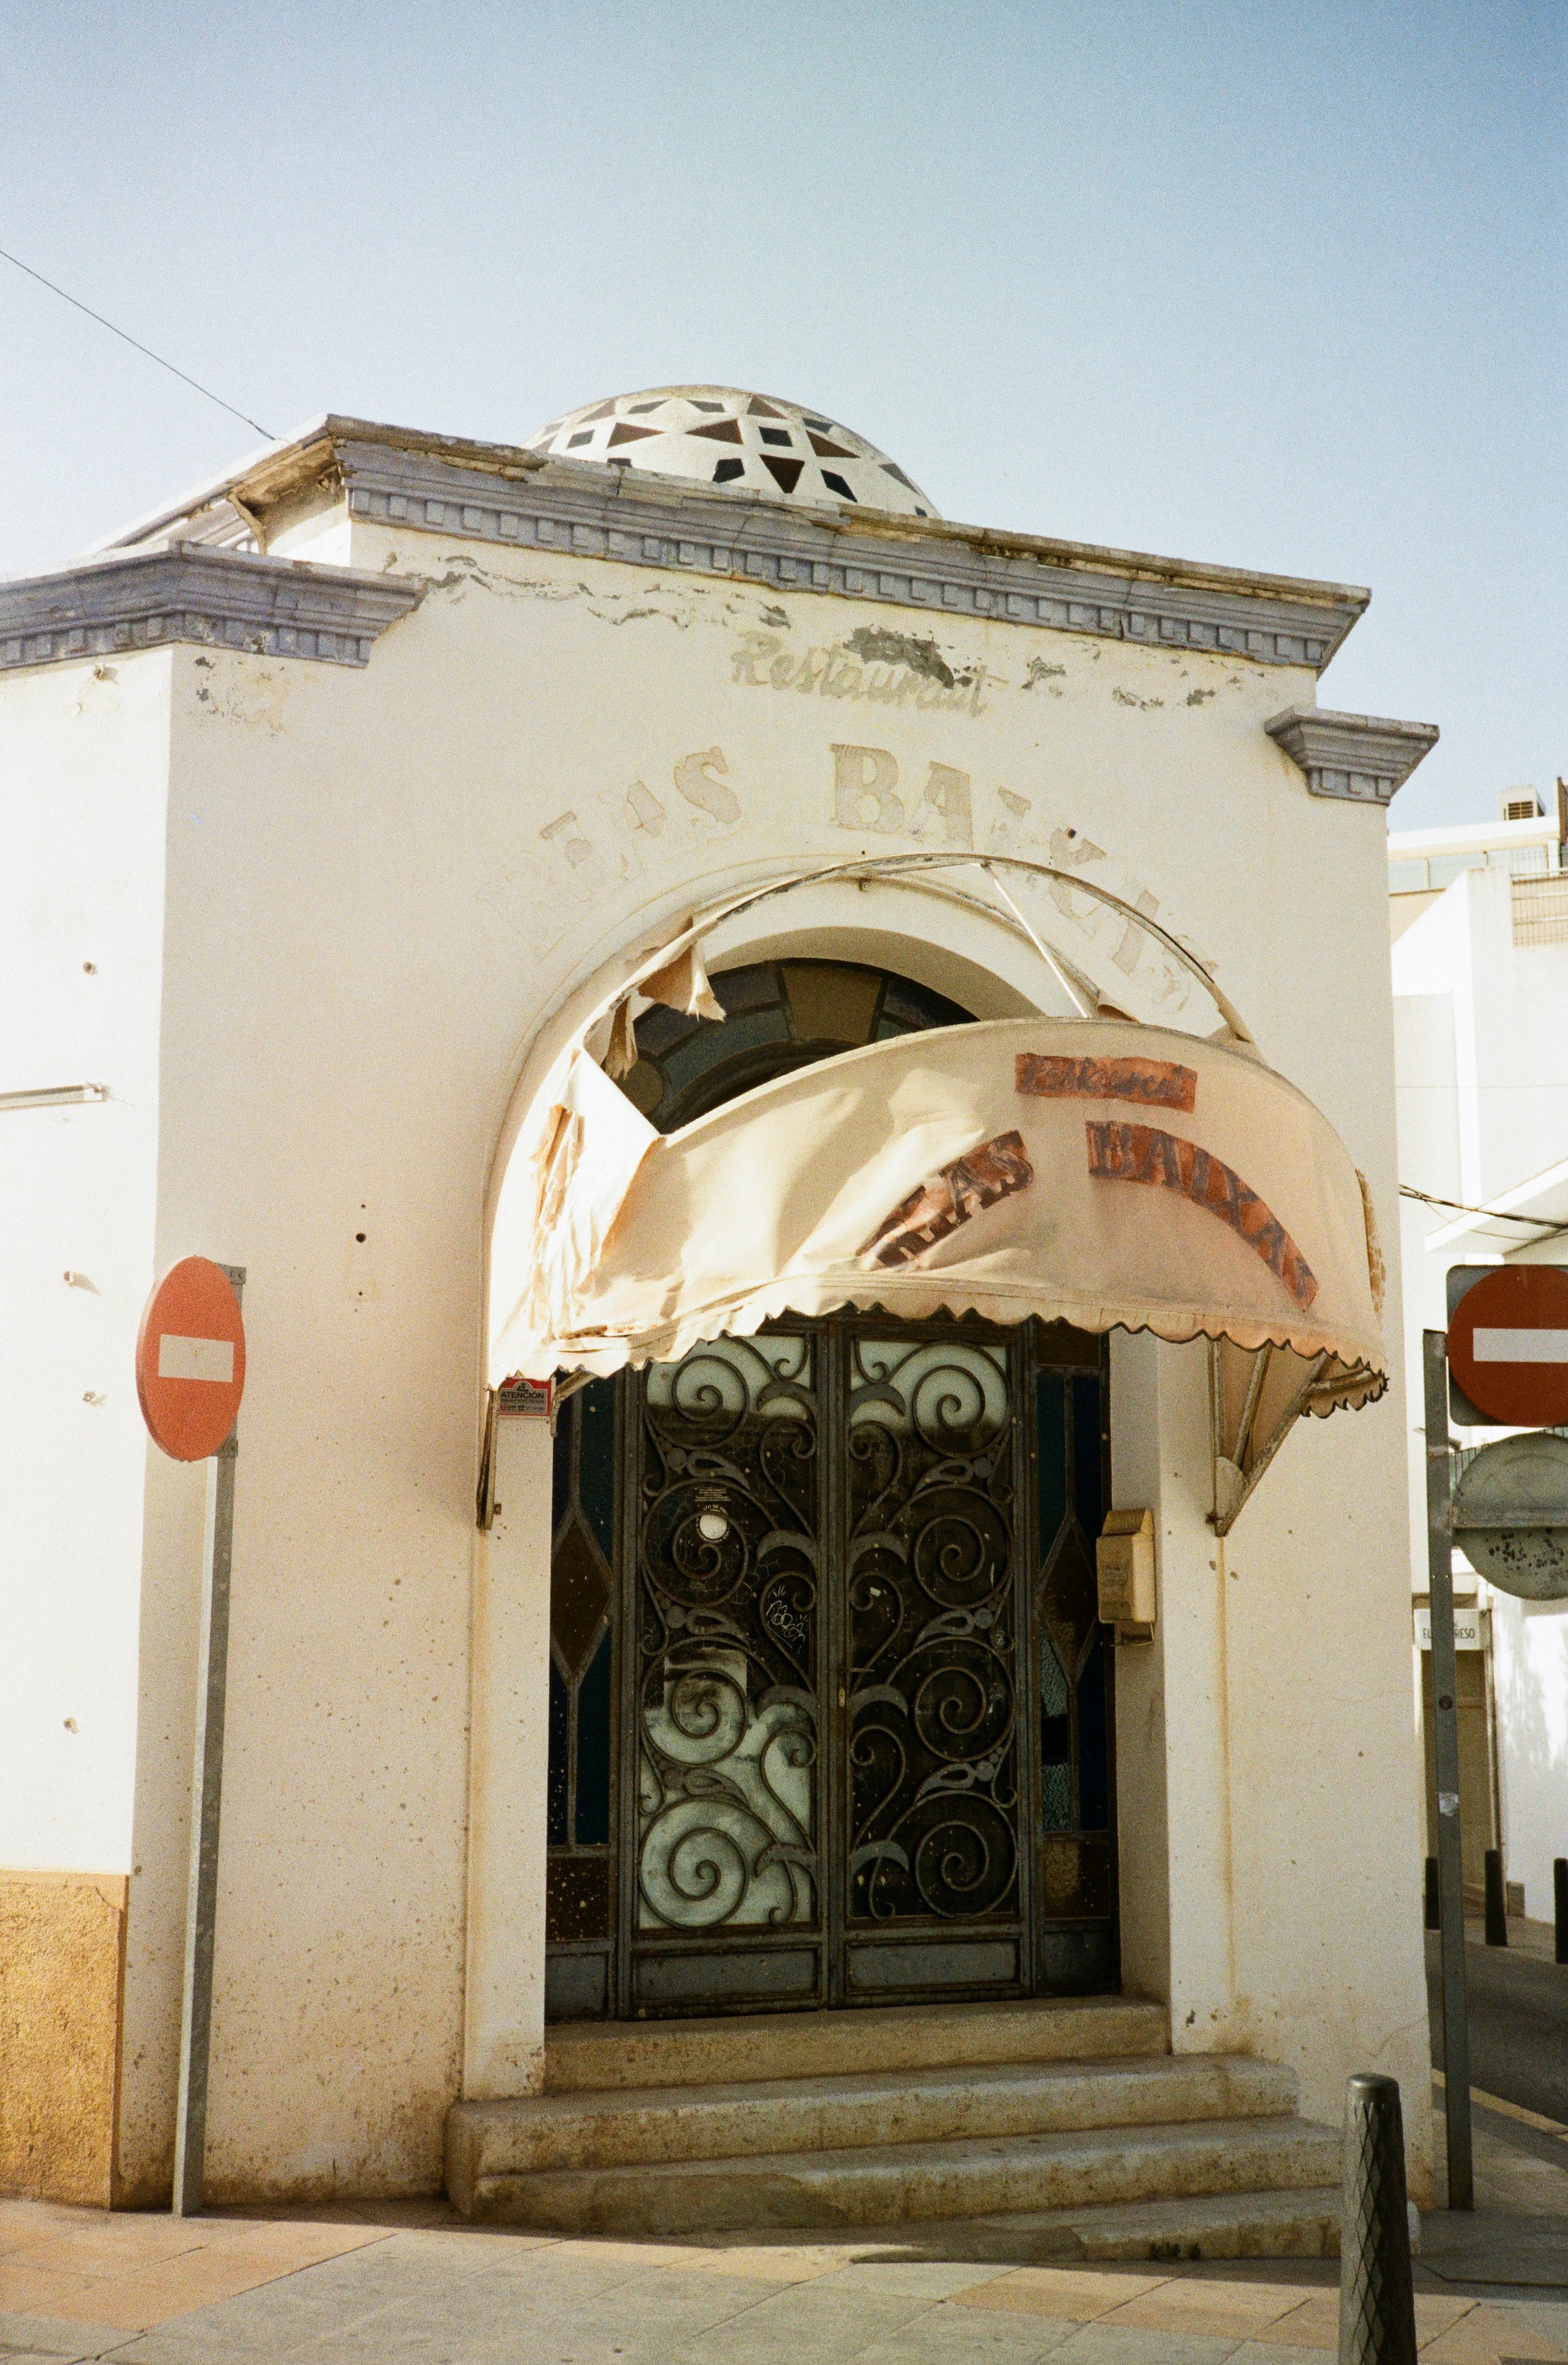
{"points": [[1062, 2128]]}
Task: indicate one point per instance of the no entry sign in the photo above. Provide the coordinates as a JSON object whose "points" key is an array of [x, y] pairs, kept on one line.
{"points": [[1508, 1345], [190, 1360]]}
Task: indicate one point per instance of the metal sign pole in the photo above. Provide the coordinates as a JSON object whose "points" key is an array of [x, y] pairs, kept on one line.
{"points": [[1445, 1729], [207, 1799]]}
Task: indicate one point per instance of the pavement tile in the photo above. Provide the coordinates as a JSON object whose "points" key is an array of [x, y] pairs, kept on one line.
{"points": [[1437, 2311], [664, 2307], [1110, 2344], [1485, 2336], [477, 2316], [930, 2278], [294, 2243], [816, 2320], [766, 2263], [394, 2215], [171, 2344], [604, 2250], [456, 2245], [179, 2286], [1253, 2353], [29, 2335], [949, 2334], [53, 2291], [651, 2324], [22, 2221], [1225, 2310], [264, 2319], [547, 2284], [1304, 2274], [1078, 2294], [1314, 2324], [365, 2344], [99, 2244]]}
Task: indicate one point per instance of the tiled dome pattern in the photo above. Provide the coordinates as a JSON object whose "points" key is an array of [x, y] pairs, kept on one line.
{"points": [[754, 442]]}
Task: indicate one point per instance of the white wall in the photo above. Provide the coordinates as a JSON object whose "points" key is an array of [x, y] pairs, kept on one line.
{"points": [[1510, 1042], [83, 761], [1529, 1673]]}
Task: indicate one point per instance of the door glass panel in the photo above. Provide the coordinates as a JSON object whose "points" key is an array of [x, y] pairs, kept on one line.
{"points": [[1075, 1668], [727, 1803], [933, 1789], [1055, 1744], [579, 1871]]}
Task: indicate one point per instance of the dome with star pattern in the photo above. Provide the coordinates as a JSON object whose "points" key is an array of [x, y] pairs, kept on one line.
{"points": [[748, 443]]}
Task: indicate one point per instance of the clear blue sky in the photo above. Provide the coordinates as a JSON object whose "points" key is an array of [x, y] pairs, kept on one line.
{"points": [[1279, 285]]}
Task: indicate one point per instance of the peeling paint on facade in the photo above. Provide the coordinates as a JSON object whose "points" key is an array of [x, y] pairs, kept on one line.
{"points": [[350, 891]]}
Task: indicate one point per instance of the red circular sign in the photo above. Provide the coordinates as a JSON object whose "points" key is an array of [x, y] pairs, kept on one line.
{"points": [[1508, 1345], [190, 1360]]}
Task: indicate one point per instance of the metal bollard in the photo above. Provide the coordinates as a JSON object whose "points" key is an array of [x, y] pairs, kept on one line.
{"points": [[1497, 1903], [1434, 1895], [1559, 1901], [1377, 2300]]}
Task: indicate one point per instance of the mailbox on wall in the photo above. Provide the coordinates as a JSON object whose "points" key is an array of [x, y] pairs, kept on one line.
{"points": [[1124, 1560]]}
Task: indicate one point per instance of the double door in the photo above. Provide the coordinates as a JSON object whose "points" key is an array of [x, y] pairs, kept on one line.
{"points": [[858, 1700]]}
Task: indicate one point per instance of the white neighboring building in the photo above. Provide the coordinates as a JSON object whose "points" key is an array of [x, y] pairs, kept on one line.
{"points": [[1480, 925]]}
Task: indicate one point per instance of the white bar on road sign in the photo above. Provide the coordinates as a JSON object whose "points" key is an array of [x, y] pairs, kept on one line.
{"points": [[1520, 1347], [195, 1359]]}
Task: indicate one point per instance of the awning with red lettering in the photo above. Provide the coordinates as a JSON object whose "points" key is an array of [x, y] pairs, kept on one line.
{"points": [[1095, 1172]]}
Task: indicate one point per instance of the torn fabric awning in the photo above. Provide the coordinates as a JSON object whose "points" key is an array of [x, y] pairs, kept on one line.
{"points": [[1101, 1174]]}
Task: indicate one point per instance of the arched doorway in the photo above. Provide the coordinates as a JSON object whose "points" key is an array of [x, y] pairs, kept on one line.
{"points": [[830, 1706]]}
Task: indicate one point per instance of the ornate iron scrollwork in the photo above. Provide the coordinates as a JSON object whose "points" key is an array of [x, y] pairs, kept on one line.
{"points": [[863, 1737], [728, 1812], [934, 1791]]}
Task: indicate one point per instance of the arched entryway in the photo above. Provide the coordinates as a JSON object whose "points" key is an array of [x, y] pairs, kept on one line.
{"points": [[831, 1709]]}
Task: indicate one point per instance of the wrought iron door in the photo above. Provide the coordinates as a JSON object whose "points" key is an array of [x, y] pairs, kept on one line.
{"points": [[830, 1709], [857, 1673]]}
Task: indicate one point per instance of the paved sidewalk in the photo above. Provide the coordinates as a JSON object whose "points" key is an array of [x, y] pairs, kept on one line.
{"points": [[408, 2283]]}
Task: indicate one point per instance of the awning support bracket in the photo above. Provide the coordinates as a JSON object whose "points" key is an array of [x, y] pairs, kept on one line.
{"points": [[1239, 1458]]}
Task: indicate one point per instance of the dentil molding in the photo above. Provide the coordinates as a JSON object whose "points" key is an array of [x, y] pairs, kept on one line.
{"points": [[222, 598], [589, 511], [1360, 757]]}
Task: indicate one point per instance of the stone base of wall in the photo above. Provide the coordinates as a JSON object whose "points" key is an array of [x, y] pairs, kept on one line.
{"points": [[61, 1986]]}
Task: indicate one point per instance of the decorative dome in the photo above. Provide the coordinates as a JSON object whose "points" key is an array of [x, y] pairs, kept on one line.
{"points": [[754, 442]]}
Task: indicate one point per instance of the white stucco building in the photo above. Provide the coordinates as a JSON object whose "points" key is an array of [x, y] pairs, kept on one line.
{"points": [[336, 798], [1480, 919]]}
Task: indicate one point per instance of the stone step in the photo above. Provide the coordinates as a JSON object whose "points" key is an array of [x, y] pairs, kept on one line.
{"points": [[597, 2055], [817, 2114], [879, 2184], [1301, 2223]]}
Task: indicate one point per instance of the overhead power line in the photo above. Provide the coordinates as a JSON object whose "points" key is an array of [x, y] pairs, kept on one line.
{"points": [[126, 338], [1494, 1214]]}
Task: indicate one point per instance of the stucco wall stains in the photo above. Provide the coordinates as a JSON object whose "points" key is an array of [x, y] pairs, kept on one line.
{"points": [[61, 1952], [374, 915]]}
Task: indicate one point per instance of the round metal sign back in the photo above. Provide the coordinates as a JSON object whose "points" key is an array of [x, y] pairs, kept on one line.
{"points": [[1510, 1516], [190, 1360], [1508, 1345]]}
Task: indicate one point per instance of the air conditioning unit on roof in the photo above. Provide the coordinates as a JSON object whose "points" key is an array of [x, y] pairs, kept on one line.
{"points": [[1522, 804]]}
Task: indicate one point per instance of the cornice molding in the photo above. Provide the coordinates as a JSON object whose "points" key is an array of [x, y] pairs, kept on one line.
{"points": [[222, 599], [585, 511], [1360, 757]]}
